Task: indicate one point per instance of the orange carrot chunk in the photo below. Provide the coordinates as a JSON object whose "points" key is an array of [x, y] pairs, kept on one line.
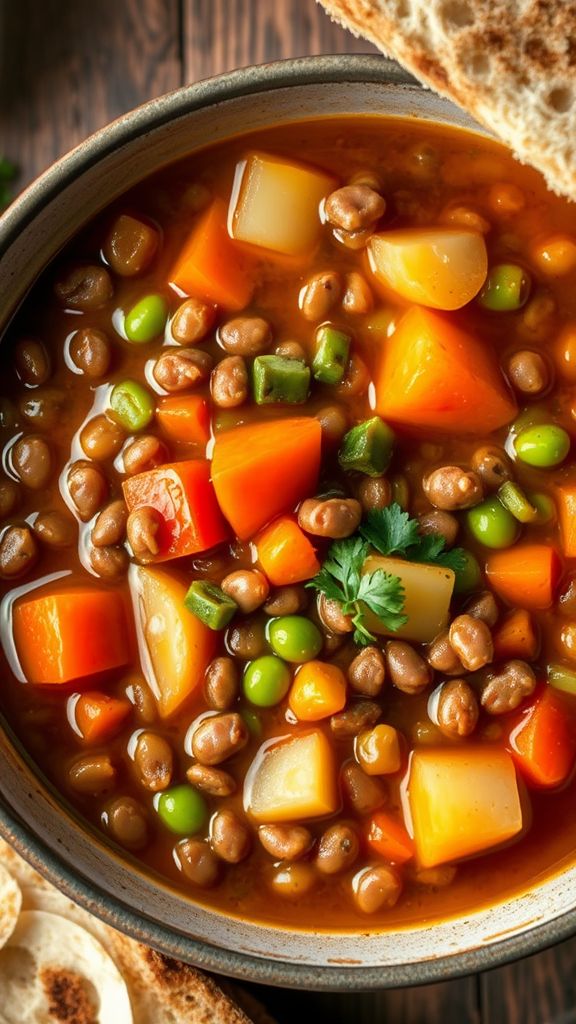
{"points": [[525, 575], [388, 838], [285, 553], [515, 636], [70, 634], [184, 418], [542, 741], [430, 373], [263, 469], [184, 496], [99, 716], [210, 264], [567, 512]]}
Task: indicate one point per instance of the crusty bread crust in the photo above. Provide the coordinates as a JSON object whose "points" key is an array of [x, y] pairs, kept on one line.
{"points": [[510, 63]]}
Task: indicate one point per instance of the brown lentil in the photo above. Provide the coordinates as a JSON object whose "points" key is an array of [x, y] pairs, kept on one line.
{"points": [[248, 587], [154, 761], [219, 737], [245, 336], [214, 781], [285, 842], [229, 837], [91, 352], [337, 850], [367, 672], [504, 690], [178, 370], [457, 712], [451, 488], [471, 640], [110, 525], [406, 669], [221, 684], [330, 517]]}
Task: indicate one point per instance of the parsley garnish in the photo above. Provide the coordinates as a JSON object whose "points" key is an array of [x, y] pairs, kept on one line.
{"points": [[341, 579], [390, 531]]}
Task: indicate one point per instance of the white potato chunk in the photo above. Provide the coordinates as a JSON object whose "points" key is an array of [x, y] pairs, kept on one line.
{"points": [[428, 592], [291, 779], [275, 204]]}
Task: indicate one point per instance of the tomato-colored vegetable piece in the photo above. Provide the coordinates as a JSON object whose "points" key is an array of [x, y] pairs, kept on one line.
{"points": [[567, 512], [210, 265], [99, 716], [184, 418], [431, 373], [261, 470], [388, 838], [525, 575], [70, 634], [515, 636], [542, 741], [285, 553], [184, 496]]}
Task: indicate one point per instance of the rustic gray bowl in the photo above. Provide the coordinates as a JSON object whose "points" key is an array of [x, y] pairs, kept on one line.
{"points": [[31, 816]]}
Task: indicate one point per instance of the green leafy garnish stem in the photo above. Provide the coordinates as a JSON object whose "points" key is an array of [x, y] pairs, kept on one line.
{"points": [[391, 531]]}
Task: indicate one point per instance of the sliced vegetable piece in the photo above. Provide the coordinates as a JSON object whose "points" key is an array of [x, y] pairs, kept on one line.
{"points": [[331, 355], [566, 495], [280, 379], [525, 575], [98, 716], [507, 288], [562, 678], [292, 779], [516, 502], [210, 604], [439, 267], [318, 691], [210, 266], [184, 418], [367, 448], [275, 204], [542, 741], [59, 636], [515, 637], [184, 496], [431, 373], [388, 838], [263, 469], [285, 553], [175, 647], [451, 817], [428, 592]]}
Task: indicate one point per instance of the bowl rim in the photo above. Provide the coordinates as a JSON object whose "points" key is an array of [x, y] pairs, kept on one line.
{"points": [[357, 68]]}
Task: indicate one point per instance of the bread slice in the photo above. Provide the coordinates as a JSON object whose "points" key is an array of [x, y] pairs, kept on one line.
{"points": [[510, 63], [161, 990]]}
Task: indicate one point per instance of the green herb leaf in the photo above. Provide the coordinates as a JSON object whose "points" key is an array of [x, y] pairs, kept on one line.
{"points": [[341, 579], [392, 531]]}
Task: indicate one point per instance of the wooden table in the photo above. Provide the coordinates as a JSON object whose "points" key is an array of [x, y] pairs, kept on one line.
{"points": [[67, 67]]}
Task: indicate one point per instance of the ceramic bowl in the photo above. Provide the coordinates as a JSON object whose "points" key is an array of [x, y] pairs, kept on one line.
{"points": [[32, 817]]}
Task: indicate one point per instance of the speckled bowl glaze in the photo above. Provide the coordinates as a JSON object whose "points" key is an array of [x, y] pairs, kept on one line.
{"points": [[32, 817]]}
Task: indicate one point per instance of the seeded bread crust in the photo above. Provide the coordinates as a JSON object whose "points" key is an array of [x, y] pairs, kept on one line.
{"points": [[510, 63]]}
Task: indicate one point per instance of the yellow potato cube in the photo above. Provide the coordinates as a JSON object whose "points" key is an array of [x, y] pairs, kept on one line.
{"points": [[291, 779], [275, 204], [428, 592], [439, 267], [462, 801]]}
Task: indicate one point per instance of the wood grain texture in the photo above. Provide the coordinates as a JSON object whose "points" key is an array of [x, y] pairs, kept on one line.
{"points": [[68, 67]]}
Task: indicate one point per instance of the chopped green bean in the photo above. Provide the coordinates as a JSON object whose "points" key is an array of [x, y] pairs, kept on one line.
{"points": [[514, 499], [331, 355], [506, 288], [280, 379], [562, 678], [367, 448], [210, 604]]}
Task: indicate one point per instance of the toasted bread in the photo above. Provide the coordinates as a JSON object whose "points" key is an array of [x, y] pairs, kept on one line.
{"points": [[510, 63]]}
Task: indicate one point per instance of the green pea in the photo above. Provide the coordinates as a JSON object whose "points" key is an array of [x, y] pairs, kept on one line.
{"points": [[507, 288], [266, 681], [545, 508], [132, 405], [469, 576], [182, 809], [294, 638], [543, 446], [492, 524], [147, 319]]}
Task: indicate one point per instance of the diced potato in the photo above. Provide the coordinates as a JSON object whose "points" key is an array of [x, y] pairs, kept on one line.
{"points": [[292, 779], [439, 267], [275, 204], [175, 647], [462, 801], [428, 592]]}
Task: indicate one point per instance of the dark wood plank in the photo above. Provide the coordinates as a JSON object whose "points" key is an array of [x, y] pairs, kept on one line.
{"points": [[67, 67], [538, 990], [455, 1002], [223, 34]]}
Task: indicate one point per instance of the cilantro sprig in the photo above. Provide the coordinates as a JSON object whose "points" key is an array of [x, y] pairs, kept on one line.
{"points": [[389, 531], [341, 579]]}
